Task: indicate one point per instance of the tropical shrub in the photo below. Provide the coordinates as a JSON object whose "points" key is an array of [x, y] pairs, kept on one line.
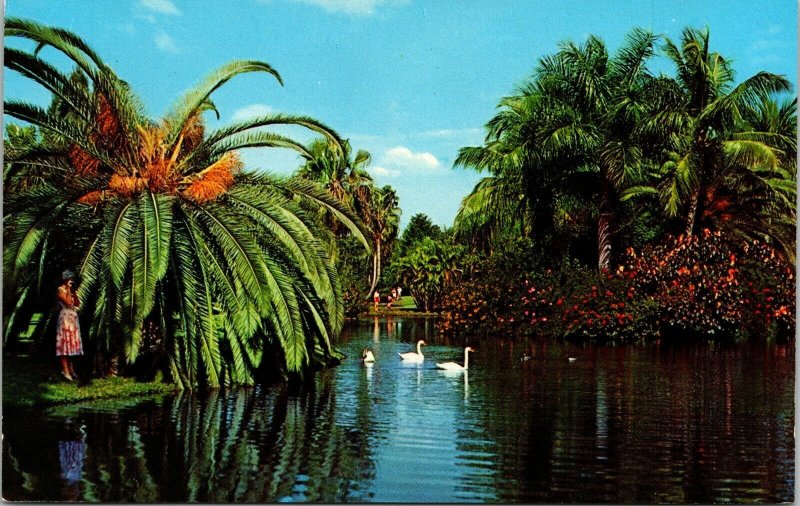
{"points": [[768, 282], [684, 288], [165, 225], [428, 270], [487, 296], [353, 271]]}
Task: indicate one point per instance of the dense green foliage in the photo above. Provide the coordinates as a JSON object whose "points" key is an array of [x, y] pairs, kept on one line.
{"points": [[346, 179], [178, 248], [353, 268], [428, 269], [595, 157], [419, 227], [591, 144]]}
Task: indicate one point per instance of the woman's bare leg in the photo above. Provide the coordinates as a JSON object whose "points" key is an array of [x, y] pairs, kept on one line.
{"points": [[65, 366]]}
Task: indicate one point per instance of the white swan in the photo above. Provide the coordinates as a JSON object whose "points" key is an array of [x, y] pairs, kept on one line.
{"points": [[367, 357], [414, 357], [452, 366]]}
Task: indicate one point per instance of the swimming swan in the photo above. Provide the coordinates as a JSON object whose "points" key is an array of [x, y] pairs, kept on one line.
{"points": [[452, 366], [367, 357], [414, 357]]}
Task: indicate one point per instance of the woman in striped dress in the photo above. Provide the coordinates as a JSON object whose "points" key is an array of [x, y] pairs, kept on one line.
{"points": [[68, 334]]}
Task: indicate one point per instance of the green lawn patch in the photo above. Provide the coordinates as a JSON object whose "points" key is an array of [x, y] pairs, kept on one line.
{"points": [[27, 382], [404, 307]]}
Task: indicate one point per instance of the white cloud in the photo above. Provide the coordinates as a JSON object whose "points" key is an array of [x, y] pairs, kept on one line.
{"points": [[165, 43], [403, 158], [147, 17], [353, 7], [251, 111], [160, 6], [383, 171]]}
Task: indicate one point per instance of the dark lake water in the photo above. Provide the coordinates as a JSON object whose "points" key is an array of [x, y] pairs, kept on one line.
{"points": [[702, 423]]}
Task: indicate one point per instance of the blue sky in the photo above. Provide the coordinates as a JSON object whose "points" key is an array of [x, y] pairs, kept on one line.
{"points": [[411, 81]]}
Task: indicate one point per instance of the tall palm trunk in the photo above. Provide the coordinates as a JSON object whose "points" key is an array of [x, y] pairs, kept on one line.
{"points": [[691, 215], [376, 268], [604, 229], [694, 198]]}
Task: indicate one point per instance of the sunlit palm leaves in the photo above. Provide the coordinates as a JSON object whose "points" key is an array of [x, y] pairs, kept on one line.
{"points": [[429, 269], [700, 119], [164, 224], [381, 215], [569, 129]]}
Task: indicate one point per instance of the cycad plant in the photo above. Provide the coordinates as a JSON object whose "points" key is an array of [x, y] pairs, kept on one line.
{"points": [[167, 230]]}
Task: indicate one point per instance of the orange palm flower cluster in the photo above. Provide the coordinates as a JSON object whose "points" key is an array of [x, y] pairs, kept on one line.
{"points": [[126, 186], [215, 180], [157, 164]]}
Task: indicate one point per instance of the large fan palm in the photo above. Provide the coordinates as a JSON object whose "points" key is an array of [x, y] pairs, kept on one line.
{"points": [[166, 228]]}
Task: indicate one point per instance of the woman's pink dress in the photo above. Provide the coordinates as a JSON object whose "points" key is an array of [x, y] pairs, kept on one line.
{"points": [[68, 335]]}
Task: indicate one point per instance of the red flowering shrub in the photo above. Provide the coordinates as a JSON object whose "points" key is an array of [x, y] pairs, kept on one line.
{"points": [[607, 312], [691, 287], [768, 283], [701, 285], [479, 303]]}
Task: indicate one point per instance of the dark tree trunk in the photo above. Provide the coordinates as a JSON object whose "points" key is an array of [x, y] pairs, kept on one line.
{"points": [[604, 229], [692, 213]]}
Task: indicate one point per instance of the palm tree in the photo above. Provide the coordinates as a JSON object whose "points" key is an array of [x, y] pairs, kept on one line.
{"points": [[699, 118], [570, 131], [759, 201], [494, 209], [382, 218], [342, 175], [166, 226]]}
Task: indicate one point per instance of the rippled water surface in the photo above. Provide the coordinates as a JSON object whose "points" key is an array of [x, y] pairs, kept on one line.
{"points": [[701, 423]]}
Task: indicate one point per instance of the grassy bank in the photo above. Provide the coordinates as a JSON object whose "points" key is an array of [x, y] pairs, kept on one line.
{"points": [[404, 307], [27, 382]]}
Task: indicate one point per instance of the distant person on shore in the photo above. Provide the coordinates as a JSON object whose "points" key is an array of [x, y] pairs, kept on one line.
{"points": [[394, 293], [68, 332], [399, 291], [377, 299], [389, 304]]}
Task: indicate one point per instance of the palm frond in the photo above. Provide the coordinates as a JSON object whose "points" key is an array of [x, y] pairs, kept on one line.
{"points": [[198, 96]]}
